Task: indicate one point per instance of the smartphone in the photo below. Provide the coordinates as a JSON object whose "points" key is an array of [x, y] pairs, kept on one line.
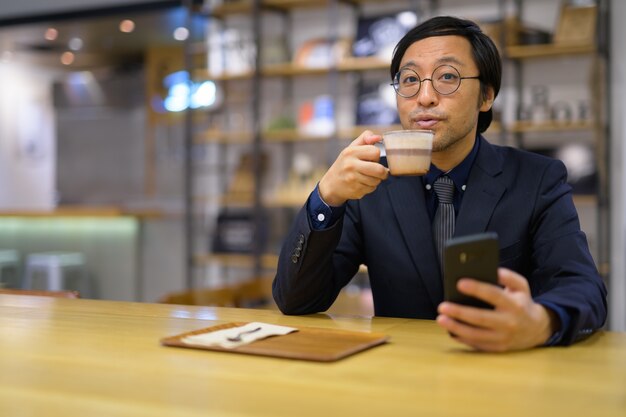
{"points": [[473, 256]]}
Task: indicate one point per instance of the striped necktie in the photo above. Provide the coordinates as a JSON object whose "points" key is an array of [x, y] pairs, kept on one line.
{"points": [[443, 224]]}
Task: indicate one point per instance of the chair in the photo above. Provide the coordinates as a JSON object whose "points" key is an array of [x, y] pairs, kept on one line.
{"points": [[219, 297], [9, 269], [56, 294], [254, 293], [56, 271]]}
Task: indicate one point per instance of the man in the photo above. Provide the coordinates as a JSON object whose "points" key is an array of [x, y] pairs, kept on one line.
{"points": [[447, 73]]}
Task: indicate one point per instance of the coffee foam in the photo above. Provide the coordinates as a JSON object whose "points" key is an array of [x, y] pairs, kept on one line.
{"points": [[416, 140]]}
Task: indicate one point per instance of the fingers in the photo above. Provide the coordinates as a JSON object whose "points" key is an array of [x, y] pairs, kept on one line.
{"points": [[486, 292], [512, 280], [366, 138], [474, 316], [355, 173], [476, 337], [516, 322]]}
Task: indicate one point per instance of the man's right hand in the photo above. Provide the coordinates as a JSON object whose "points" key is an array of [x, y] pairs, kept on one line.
{"points": [[355, 173]]}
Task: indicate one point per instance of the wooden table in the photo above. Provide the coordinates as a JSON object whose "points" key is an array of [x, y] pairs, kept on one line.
{"points": [[88, 358]]}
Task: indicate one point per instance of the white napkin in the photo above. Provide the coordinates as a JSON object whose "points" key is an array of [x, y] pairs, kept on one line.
{"points": [[238, 336]]}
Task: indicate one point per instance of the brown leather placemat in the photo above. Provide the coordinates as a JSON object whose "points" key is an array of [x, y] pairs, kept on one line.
{"points": [[308, 343]]}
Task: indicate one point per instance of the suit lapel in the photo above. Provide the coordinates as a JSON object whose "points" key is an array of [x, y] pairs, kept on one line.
{"points": [[407, 200], [484, 190]]}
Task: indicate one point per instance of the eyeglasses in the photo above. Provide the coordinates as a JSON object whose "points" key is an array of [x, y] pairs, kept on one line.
{"points": [[445, 80]]}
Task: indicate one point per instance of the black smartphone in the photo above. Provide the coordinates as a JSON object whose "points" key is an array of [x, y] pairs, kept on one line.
{"points": [[473, 256]]}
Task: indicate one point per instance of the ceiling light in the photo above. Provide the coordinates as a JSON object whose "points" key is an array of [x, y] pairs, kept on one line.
{"points": [[75, 44], [127, 26], [51, 34], [67, 58], [181, 33]]}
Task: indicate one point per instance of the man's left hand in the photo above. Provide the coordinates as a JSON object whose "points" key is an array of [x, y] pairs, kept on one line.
{"points": [[515, 323]]}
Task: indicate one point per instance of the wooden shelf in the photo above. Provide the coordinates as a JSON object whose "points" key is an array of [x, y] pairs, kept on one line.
{"points": [[585, 199], [363, 64], [85, 211], [216, 136], [268, 261], [547, 50], [231, 8], [494, 128], [240, 200], [245, 6], [292, 70], [546, 127], [288, 69], [291, 135], [288, 200], [288, 135]]}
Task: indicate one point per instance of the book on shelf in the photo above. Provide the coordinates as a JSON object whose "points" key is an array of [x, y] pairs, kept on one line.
{"points": [[376, 104], [378, 35], [321, 52]]}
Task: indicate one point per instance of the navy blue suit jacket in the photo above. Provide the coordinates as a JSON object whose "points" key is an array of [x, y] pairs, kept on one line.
{"points": [[521, 196]]}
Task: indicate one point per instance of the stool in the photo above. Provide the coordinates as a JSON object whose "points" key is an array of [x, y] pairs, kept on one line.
{"points": [[56, 271], [9, 262]]}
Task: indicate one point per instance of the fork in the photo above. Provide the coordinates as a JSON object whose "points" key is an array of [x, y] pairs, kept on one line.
{"points": [[237, 338]]}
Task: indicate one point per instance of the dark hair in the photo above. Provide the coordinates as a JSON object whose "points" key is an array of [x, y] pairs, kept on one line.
{"points": [[484, 52]]}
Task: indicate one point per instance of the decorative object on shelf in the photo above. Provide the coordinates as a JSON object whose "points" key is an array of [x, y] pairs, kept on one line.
{"points": [[377, 36], [577, 24], [321, 53], [503, 30], [303, 177], [231, 51], [274, 51], [302, 166], [540, 110], [295, 191], [236, 231], [584, 110], [533, 36], [582, 172], [561, 112], [317, 118], [241, 188], [281, 122], [376, 104], [513, 32]]}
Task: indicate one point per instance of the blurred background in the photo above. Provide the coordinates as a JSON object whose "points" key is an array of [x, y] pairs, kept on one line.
{"points": [[158, 150]]}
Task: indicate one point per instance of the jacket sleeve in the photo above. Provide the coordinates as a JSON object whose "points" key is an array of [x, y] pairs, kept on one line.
{"points": [[564, 272], [308, 277]]}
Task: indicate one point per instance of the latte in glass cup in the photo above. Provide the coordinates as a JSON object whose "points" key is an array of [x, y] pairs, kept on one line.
{"points": [[408, 151]]}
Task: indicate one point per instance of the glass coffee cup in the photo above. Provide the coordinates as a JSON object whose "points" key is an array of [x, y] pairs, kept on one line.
{"points": [[408, 151]]}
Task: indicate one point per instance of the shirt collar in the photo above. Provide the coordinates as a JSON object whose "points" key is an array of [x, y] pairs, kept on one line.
{"points": [[460, 173]]}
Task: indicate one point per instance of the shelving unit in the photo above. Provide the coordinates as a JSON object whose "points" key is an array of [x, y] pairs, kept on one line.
{"points": [[281, 142], [285, 140], [590, 131]]}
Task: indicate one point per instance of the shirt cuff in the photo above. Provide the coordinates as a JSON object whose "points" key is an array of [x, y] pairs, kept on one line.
{"points": [[322, 215], [564, 317]]}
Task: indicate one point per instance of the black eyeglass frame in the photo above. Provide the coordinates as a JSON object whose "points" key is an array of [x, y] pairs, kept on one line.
{"points": [[396, 82]]}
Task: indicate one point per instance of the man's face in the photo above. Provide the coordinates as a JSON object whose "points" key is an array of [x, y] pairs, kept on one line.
{"points": [[452, 117]]}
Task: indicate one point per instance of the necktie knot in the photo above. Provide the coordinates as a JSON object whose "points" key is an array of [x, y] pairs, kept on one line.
{"points": [[444, 188]]}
